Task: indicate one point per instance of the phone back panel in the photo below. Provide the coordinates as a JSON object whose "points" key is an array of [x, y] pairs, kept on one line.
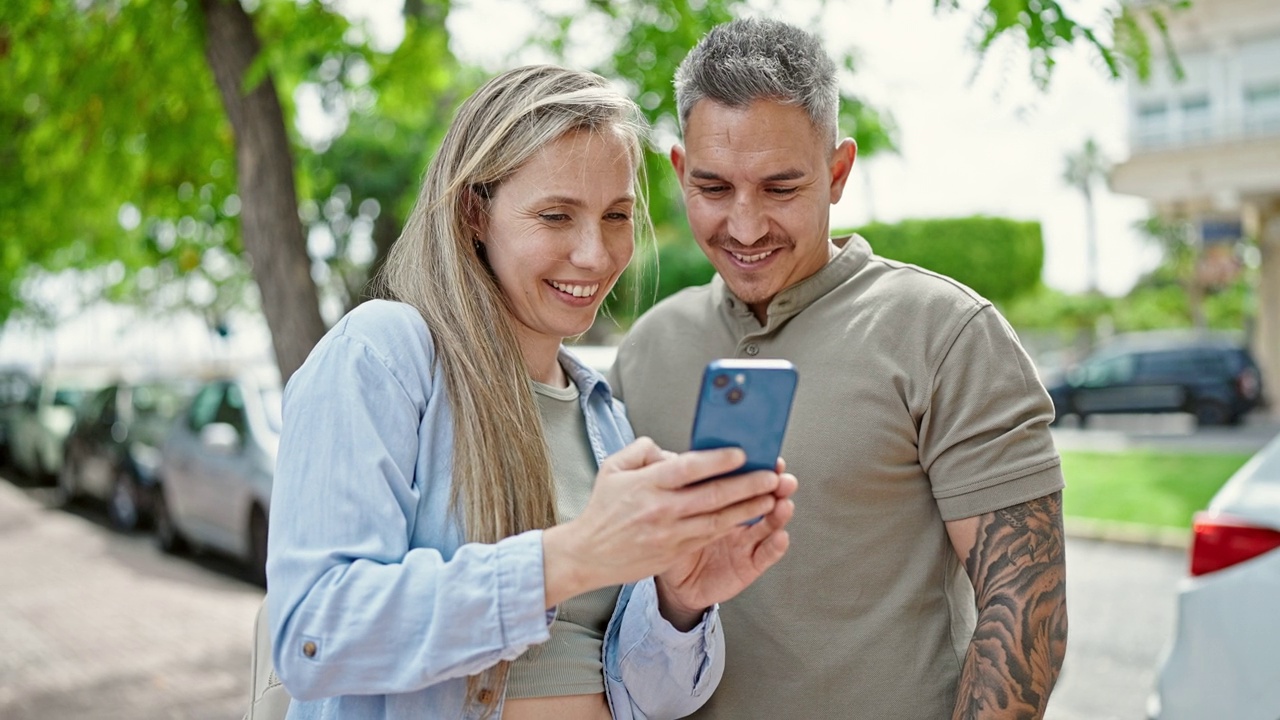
{"points": [[745, 404]]}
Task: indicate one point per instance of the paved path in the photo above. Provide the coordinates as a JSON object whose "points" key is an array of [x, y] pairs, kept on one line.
{"points": [[98, 626]]}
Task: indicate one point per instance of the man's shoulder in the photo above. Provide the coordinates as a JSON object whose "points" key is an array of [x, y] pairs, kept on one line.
{"points": [[918, 287], [692, 306]]}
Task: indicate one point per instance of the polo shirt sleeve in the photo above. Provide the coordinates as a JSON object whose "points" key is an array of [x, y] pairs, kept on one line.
{"points": [[984, 436]]}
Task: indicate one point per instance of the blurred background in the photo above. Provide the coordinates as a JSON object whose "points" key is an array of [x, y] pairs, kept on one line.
{"points": [[192, 191]]}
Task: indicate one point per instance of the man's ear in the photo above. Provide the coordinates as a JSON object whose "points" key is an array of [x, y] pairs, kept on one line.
{"points": [[677, 161], [841, 166]]}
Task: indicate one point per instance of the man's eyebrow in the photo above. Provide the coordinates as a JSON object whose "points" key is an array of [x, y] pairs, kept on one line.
{"points": [[782, 176]]}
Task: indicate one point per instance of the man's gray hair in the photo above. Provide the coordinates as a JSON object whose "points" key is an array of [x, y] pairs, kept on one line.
{"points": [[752, 59]]}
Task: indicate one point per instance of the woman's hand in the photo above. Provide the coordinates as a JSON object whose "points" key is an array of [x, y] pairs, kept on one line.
{"points": [[727, 566], [645, 515]]}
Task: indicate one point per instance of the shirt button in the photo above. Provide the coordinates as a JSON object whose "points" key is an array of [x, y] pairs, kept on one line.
{"points": [[485, 696], [753, 349], [309, 649]]}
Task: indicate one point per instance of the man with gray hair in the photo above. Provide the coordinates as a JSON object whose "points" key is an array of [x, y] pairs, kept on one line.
{"points": [[925, 577]]}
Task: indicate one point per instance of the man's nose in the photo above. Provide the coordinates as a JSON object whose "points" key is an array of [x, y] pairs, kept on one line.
{"points": [[747, 222]]}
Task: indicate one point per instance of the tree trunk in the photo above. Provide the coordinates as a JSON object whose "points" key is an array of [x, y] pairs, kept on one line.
{"points": [[272, 231]]}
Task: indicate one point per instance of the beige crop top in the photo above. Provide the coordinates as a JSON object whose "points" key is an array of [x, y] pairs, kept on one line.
{"points": [[571, 662]]}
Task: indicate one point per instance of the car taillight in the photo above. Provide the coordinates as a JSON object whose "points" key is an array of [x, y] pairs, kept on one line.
{"points": [[1220, 542], [1248, 383]]}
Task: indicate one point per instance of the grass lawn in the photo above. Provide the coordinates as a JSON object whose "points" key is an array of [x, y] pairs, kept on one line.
{"points": [[1152, 488]]}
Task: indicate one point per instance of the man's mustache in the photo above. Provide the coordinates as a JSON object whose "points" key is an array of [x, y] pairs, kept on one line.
{"points": [[768, 241]]}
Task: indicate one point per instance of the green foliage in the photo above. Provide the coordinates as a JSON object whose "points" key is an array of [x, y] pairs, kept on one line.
{"points": [[997, 257]]}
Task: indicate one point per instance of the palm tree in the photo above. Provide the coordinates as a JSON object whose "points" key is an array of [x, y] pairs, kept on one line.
{"points": [[1083, 168]]}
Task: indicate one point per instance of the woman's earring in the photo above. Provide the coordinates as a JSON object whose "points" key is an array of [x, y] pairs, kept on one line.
{"points": [[475, 243]]}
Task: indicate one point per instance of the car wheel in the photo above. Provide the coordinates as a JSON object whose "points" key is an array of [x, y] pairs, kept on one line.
{"points": [[258, 546], [122, 506], [168, 537], [1211, 412]]}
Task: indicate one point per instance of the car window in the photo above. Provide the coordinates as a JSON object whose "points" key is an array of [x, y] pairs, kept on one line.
{"points": [[205, 406], [1102, 372], [156, 399], [68, 397], [1176, 365], [231, 410]]}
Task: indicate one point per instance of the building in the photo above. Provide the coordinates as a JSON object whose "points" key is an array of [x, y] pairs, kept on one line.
{"points": [[1207, 148]]}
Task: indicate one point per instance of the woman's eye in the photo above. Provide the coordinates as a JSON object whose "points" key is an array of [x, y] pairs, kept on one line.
{"points": [[618, 216], [554, 217]]}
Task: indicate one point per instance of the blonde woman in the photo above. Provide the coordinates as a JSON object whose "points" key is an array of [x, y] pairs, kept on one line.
{"points": [[462, 526]]}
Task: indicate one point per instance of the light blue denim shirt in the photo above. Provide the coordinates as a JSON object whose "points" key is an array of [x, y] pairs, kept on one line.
{"points": [[378, 608]]}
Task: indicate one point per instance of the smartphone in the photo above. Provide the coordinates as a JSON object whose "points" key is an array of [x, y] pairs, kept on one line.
{"points": [[745, 404]]}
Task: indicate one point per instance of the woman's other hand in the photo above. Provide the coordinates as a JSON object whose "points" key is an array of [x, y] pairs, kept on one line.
{"points": [[647, 516]]}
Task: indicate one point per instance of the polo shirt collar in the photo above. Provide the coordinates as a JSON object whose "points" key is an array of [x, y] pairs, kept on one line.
{"points": [[852, 255]]}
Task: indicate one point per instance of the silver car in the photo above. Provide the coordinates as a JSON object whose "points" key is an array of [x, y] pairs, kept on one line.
{"points": [[1223, 660], [216, 467]]}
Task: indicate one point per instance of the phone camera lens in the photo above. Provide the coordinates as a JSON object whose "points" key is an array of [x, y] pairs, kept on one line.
{"points": [[720, 381], [734, 396]]}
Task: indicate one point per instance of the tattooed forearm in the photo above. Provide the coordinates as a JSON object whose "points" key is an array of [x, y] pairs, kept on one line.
{"points": [[1019, 578]]}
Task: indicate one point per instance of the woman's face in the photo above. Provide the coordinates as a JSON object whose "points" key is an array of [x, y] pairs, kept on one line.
{"points": [[559, 233]]}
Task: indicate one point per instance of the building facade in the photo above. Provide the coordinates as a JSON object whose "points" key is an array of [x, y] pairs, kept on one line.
{"points": [[1206, 148]]}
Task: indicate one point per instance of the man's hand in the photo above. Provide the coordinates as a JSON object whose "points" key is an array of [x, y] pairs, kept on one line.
{"points": [[726, 567]]}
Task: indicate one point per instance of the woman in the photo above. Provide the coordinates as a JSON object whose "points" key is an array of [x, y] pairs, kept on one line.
{"points": [[449, 476]]}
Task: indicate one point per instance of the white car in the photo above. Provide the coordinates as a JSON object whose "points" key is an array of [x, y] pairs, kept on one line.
{"points": [[38, 427], [216, 468], [1224, 658]]}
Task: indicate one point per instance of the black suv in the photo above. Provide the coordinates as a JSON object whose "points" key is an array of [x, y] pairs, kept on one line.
{"points": [[1212, 378]]}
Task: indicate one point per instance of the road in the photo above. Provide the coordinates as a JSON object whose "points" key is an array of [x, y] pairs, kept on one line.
{"points": [[95, 625]]}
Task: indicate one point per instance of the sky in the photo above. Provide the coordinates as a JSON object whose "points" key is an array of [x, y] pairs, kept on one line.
{"points": [[975, 139]]}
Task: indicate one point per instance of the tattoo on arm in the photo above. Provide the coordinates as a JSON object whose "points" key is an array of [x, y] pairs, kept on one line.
{"points": [[1019, 578]]}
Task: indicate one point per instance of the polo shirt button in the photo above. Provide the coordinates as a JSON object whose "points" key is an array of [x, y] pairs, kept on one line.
{"points": [[485, 696], [753, 349], [309, 649]]}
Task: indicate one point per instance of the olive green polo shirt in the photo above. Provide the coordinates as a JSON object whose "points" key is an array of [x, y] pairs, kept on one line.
{"points": [[916, 405]]}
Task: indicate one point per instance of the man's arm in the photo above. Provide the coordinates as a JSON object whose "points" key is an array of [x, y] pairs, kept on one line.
{"points": [[1015, 559]]}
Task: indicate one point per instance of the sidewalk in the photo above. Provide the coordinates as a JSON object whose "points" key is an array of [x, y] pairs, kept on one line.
{"points": [[175, 643]]}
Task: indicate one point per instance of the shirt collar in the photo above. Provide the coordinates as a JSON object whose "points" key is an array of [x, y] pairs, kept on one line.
{"points": [[852, 255], [586, 378]]}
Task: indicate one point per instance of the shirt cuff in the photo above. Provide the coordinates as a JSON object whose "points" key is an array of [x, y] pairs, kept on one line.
{"points": [[698, 643], [522, 592]]}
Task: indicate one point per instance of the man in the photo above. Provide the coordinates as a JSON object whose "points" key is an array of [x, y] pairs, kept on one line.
{"points": [[925, 577]]}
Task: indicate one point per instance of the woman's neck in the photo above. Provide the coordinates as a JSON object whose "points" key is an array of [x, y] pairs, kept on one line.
{"points": [[542, 358]]}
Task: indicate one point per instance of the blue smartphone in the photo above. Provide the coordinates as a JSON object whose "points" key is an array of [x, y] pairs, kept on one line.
{"points": [[745, 404]]}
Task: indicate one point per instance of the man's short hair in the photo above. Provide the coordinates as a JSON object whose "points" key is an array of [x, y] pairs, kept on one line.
{"points": [[752, 59]]}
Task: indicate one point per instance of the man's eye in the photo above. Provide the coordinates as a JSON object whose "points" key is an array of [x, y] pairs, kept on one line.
{"points": [[714, 189], [783, 191]]}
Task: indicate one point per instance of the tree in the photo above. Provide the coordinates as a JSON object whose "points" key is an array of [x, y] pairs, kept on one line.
{"points": [[153, 137], [1083, 169], [1178, 244]]}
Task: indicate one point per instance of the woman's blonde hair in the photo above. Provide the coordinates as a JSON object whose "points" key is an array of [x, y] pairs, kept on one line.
{"points": [[502, 482]]}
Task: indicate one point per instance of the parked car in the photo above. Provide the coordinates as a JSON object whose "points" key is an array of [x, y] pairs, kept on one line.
{"points": [[38, 427], [1221, 661], [1210, 377], [15, 388], [216, 466], [113, 449]]}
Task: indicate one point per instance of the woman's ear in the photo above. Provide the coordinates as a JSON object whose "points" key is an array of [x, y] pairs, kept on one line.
{"points": [[475, 206]]}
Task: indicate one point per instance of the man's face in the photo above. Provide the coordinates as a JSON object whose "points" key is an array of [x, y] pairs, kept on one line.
{"points": [[758, 184]]}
